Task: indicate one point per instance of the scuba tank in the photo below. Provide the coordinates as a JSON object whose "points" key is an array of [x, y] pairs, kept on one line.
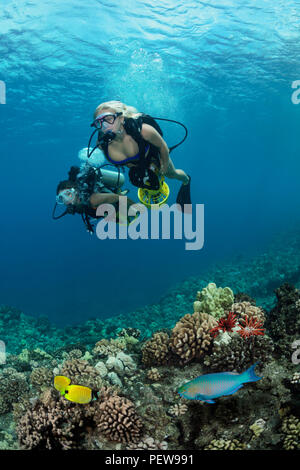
{"points": [[112, 179]]}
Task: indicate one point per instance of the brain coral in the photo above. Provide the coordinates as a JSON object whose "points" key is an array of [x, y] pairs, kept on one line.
{"points": [[190, 337], [214, 300]]}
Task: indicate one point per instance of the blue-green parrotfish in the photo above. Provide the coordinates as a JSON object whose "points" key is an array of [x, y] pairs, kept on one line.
{"points": [[209, 386]]}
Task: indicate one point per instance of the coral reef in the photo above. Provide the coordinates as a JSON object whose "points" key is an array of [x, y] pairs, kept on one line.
{"points": [[148, 443], [291, 431], [52, 423], [41, 378], [284, 320], [136, 369], [191, 336], [225, 444], [214, 300], [156, 351], [239, 354], [117, 420], [246, 309], [13, 385], [178, 409], [81, 373], [154, 375]]}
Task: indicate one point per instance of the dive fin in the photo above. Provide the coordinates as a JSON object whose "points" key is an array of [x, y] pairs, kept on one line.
{"points": [[184, 195]]}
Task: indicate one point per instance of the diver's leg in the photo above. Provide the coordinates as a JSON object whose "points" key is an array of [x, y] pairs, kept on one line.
{"points": [[174, 173]]}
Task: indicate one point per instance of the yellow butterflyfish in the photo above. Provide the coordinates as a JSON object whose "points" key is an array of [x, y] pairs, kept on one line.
{"points": [[61, 382], [75, 393], [78, 394]]}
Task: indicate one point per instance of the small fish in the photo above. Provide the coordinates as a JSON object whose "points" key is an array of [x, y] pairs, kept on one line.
{"points": [[75, 393], [209, 386], [61, 382]]}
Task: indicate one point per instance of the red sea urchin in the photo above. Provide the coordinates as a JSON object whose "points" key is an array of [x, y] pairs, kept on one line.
{"points": [[251, 327], [226, 323]]}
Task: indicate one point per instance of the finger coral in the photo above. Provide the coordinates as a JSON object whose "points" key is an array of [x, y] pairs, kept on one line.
{"points": [[191, 336], [214, 300]]}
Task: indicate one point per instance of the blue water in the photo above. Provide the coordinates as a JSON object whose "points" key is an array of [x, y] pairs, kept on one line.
{"points": [[223, 68]]}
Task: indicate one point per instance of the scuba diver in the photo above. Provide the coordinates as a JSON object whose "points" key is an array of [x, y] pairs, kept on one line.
{"points": [[134, 139], [86, 189]]}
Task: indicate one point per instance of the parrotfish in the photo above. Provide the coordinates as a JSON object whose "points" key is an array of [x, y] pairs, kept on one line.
{"points": [[209, 386]]}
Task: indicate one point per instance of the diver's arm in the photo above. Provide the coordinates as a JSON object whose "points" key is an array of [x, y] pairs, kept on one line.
{"points": [[107, 198], [103, 198], [151, 135]]}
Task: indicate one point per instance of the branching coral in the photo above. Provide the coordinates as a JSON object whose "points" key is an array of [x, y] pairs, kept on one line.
{"points": [[82, 373], [191, 336], [156, 351], [52, 423], [117, 420], [41, 378], [111, 347], [246, 309]]}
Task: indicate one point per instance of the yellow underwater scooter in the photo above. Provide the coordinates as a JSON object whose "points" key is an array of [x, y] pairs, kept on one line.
{"points": [[153, 199]]}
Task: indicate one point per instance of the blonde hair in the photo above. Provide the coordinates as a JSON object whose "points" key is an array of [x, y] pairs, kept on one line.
{"points": [[118, 107]]}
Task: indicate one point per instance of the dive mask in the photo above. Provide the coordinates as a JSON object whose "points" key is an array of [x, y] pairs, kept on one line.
{"points": [[67, 196], [105, 121]]}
